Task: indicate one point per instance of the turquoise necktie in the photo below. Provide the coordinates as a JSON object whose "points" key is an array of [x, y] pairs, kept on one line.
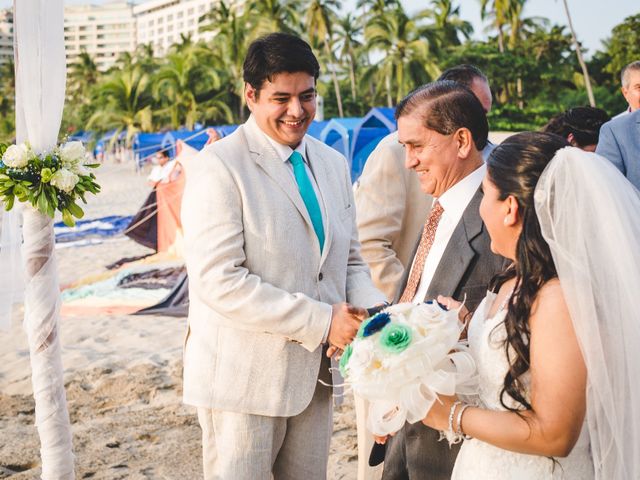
{"points": [[308, 195]]}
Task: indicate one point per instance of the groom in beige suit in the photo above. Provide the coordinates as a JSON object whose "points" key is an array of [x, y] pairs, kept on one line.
{"points": [[272, 253]]}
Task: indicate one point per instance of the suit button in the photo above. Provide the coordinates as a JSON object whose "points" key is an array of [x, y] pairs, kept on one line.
{"points": [[320, 277]]}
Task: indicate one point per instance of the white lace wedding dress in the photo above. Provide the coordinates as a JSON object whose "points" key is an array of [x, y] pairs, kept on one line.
{"points": [[478, 460]]}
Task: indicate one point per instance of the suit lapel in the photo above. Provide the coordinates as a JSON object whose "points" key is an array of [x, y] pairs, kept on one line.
{"points": [[266, 157], [458, 255], [322, 176]]}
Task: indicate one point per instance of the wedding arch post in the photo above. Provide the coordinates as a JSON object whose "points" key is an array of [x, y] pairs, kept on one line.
{"points": [[40, 66]]}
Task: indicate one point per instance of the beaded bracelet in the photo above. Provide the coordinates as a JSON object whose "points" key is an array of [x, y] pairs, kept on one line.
{"points": [[459, 421], [452, 412]]}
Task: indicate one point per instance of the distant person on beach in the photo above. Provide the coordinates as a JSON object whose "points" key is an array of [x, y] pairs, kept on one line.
{"points": [[162, 169], [580, 126], [272, 255]]}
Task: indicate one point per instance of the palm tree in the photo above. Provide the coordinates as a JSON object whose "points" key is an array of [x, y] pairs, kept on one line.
{"points": [[583, 66], [348, 33], [229, 46], [274, 16], [498, 12], [83, 74], [406, 59], [447, 21], [126, 102], [319, 20]]}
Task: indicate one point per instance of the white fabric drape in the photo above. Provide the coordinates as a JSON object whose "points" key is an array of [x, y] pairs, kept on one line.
{"points": [[40, 84], [588, 213]]}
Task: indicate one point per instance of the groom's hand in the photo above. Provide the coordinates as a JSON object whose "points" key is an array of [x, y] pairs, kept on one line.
{"points": [[345, 321]]}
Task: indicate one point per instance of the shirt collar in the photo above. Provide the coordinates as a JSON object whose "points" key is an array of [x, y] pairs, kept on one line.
{"points": [[455, 200], [285, 151]]}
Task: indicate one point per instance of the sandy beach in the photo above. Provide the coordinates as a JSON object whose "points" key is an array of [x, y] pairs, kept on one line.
{"points": [[123, 377]]}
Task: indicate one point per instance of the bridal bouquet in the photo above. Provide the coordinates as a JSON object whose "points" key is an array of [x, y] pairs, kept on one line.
{"points": [[404, 357], [49, 181]]}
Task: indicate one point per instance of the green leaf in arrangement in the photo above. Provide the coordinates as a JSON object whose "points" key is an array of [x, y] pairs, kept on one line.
{"points": [[8, 205], [42, 203], [75, 210], [67, 218]]}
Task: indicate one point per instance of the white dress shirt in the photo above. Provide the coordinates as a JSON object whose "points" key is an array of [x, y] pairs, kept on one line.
{"points": [[454, 202]]}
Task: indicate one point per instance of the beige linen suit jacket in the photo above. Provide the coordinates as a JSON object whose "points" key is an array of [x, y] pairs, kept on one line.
{"points": [[260, 291], [392, 210]]}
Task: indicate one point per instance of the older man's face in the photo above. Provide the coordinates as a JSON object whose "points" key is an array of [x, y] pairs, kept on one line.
{"points": [[433, 156], [631, 91]]}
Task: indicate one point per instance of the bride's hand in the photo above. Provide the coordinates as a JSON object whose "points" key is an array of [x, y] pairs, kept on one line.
{"points": [[438, 416], [452, 304]]}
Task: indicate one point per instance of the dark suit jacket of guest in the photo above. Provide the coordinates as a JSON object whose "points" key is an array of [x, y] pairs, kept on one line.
{"points": [[465, 269]]}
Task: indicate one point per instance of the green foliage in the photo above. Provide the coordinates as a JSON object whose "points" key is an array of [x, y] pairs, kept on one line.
{"points": [[369, 57]]}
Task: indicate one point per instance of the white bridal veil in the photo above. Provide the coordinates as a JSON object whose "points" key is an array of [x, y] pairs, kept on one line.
{"points": [[590, 216]]}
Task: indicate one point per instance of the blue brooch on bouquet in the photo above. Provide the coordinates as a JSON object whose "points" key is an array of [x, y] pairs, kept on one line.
{"points": [[49, 181], [403, 358]]}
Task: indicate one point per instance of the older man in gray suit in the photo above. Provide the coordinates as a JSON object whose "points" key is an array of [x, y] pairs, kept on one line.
{"points": [[272, 252], [620, 143], [443, 128]]}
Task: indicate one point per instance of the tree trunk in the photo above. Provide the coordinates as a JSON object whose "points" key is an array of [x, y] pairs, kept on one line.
{"points": [[336, 85], [583, 65], [387, 81], [352, 76]]}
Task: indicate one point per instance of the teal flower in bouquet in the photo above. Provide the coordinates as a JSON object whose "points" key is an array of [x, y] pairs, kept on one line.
{"points": [[395, 338], [344, 359]]}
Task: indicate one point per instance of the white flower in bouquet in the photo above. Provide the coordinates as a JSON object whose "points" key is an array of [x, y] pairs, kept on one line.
{"points": [[16, 156], [73, 155], [403, 358], [64, 180], [72, 151]]}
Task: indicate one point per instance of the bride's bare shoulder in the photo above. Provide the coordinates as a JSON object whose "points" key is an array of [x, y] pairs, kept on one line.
{"points": [[550, 302]]}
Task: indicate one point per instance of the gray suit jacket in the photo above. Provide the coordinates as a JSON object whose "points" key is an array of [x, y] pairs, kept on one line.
{"points": [[465, 269], [260, 291], [620, 143], [467, 264]]}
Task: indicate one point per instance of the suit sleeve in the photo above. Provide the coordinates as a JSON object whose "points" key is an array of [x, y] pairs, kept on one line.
{"points": [[609, 148], [380, 201], [214, 254], [361, 291]]}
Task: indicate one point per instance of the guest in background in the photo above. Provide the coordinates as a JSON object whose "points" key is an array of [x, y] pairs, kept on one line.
{"points": [[580, 126]]}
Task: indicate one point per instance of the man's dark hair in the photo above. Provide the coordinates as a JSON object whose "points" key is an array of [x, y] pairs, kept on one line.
{"points": [[464, 74], [582, 122], [446, 106], [277, 53]]}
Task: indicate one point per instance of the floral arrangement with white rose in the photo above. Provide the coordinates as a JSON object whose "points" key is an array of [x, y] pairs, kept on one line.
{"points": [[403, 358], [50, 181]]}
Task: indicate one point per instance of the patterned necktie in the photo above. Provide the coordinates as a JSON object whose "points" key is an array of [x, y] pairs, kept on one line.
{"points": [[308, 195], [426, 241]]}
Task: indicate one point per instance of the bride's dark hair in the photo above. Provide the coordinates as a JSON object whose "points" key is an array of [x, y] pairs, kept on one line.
{"points": [[514, 167]]}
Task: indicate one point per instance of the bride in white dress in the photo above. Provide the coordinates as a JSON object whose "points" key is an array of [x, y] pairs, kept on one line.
{"points": [[558, 347]]}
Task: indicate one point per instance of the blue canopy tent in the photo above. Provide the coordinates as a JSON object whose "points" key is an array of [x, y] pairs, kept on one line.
{"points": [[145, 145], [338, 134], [196, 139], [84, 136], [315, 129], [224, 130], [376, 124]]}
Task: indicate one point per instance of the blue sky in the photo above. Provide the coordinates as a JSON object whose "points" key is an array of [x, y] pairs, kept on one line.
{"points": [[592, 19]]}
